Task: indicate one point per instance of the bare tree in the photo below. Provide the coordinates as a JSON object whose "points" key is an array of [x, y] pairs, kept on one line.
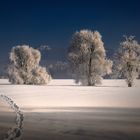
{"points": [[87, 58], [128, 60], [24, 67]]}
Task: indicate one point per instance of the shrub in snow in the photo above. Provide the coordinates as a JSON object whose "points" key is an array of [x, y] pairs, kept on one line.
{"points": [[87, 58], [24, 67], [127, 62]]}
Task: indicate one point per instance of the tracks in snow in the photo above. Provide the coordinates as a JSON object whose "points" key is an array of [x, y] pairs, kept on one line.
{"points": [[16, 131]]}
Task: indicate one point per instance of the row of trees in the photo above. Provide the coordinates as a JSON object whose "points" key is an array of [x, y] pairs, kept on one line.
{"points": [[87, 61]]}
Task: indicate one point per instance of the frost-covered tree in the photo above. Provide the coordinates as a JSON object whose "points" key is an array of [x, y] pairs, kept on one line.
{"points": [[87, 58], [24, 67], [127, 62]]}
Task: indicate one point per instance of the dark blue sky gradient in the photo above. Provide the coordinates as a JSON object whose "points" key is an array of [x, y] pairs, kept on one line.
{"points": [[38, 22]]}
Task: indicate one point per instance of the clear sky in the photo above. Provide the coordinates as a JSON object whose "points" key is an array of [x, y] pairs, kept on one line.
{"points": [[38, 22]]}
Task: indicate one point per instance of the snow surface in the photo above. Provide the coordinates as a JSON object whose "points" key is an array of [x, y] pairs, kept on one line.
{"points": [[63, 110], [65, 93], [7, 118]]}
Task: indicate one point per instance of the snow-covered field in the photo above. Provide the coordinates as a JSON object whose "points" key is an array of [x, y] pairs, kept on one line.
{"points": [[65, 93], [64, 110]]}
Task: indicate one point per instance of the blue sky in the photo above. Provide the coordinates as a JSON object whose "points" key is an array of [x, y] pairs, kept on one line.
{"points": [[41, 22]]}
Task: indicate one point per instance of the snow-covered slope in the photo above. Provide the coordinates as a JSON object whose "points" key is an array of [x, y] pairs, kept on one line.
{"points": [[65, 93]]}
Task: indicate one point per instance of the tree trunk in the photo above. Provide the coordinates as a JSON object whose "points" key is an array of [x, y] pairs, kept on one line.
{"points": [[129, 84], [129, 69], [90, 83], [89, 74]]}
